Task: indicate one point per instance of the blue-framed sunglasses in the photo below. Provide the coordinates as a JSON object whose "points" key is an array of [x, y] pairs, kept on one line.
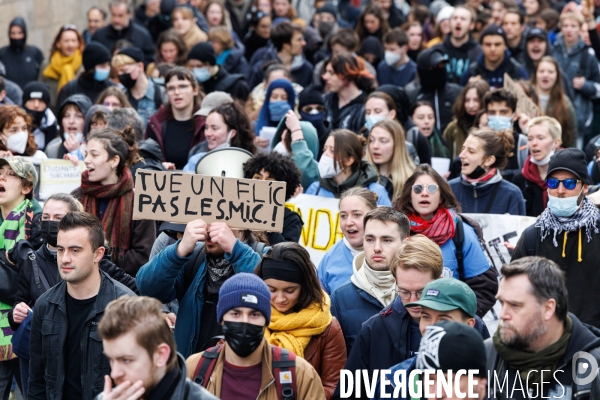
{"points": [[568, 184]]}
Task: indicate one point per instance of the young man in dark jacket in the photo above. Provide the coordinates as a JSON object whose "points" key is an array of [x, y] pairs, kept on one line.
{"points": [[22, 61], [539, 339], [513, 24], [143, 355], [567, 233], [67, 359]]}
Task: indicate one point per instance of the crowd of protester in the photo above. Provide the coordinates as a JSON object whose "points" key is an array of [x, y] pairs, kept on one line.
{"points": [[400, 110]]}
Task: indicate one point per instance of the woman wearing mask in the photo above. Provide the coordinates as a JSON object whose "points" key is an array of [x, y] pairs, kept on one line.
{"points": [[65, 60], [466, 107], [259, 34], [184, 23], [432, 209], [301, 321], [17, 139], [107, 192], [279, 99], [335, 268], [547, 80], [372, 22], [229, 56], [387, 152], [28, 291], [226, 126], [71, 119], [481, 188], [423, 116], [341, 167], [543, 139], [311, 108]]}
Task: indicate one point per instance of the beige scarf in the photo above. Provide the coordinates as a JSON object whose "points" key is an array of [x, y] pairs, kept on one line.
{"points": [[379, 284]]}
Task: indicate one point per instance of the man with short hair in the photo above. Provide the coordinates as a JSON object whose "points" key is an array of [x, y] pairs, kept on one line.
{"points": [[245, 364], [96, 19], [459, 45], [142, 352], [122, 26], [67, 359], [513, 24], [567, 232], [397, 68], [538, 346], [495, 61], [144, 97], [372, 286], [192, 271], [287, 49], [202, 61]]}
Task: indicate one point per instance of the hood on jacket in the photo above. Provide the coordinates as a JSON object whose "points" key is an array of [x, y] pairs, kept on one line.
{"points": [[358, 261], [80, 100], [149, 148], [18, 45], [88, 116]]}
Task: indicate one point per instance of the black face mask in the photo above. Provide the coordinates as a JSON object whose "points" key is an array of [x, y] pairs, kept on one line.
{"points": [[127, 81], [432, 79], [316, 120], [17, 44], [325, 28], [50, 232], [477, 173], [36, 116], [242, 337]]}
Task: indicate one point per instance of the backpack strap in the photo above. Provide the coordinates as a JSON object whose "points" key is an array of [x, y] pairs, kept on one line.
{"points": [[522, 150], [459, 240], [192, 266], [206, 364], [531, 240], [226, 83], [284, 372], [40, 279]]}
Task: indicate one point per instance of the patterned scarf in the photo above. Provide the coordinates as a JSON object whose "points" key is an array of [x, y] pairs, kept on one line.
{"points": [[219, 270], [117, 217], [482, 179], [440, 228], [586, 216], [17, 225]]}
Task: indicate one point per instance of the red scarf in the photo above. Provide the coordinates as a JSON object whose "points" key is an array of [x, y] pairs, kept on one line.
{"points": [[482, 179], [531, 173], [440, 228], [119, 212]]}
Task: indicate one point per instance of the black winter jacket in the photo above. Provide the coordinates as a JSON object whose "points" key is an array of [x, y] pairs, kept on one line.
{"points": [[134, 33], [48, 336], [29, 291], [292, 227], [84, 84], [441, 100], [351, 116]]}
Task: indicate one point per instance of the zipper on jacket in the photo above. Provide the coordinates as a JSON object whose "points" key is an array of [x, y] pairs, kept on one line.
{"points": [[474, 192]]}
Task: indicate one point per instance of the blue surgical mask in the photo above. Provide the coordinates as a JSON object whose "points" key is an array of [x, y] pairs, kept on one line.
{"points": [[371, 120], [201, 74], [499, 123], [563, 206], [101, 74], [278, 109]]}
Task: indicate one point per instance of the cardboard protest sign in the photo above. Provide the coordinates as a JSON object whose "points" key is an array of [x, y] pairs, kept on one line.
{"points": [[182, 197], [524, 104], [321, 228], [59, 176]]}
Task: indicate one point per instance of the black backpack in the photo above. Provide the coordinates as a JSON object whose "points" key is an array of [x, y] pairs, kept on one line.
{"points": [[225, 84], [459, 240]]}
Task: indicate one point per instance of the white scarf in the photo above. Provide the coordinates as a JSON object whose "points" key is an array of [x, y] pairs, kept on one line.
{"points": [[379, 284], [353, 251]]}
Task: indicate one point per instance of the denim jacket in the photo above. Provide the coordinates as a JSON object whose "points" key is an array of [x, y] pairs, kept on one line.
{"points": [[146, 105]]}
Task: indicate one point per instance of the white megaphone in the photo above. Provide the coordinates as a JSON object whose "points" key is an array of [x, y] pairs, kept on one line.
{"points": [[228, 162]]}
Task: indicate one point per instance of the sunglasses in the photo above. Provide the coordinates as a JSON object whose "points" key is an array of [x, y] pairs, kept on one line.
{"points": [[568, 184], [431, 188]]}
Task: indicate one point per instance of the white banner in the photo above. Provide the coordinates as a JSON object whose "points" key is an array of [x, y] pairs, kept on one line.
{"points": [[59, 176]]}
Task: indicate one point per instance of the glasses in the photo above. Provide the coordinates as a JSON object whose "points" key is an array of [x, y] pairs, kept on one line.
{"points": [[406, 295], [181, 88], [568, 184], [431, 188], [309, 109], [114, 105]]}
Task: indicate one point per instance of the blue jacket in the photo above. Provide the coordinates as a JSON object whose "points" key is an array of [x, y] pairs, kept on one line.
{"points": [[353, 306], [335, 268], [400, 76], [162, 278], [474, 199], [383, 199]]}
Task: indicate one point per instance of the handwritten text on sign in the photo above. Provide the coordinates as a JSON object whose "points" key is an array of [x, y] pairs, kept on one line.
{"points": [[178, 197]]}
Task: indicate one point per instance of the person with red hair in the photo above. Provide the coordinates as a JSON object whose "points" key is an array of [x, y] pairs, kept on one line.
{"points": [[16, 137], [348, 83]]}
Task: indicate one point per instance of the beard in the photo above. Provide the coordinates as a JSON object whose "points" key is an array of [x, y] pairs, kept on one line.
{"points": [[214, 252], [511, 337]]}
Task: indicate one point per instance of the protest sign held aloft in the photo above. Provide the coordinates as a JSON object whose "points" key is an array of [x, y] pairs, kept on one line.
{"points": [[181, 197]]}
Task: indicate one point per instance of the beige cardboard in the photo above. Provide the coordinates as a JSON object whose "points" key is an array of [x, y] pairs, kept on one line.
{"points": [[524, 103], [181, 197]]}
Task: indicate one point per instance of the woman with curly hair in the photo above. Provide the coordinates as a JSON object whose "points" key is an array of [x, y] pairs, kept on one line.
{"points": [[280, 168], [372, 22], [17, 137]]}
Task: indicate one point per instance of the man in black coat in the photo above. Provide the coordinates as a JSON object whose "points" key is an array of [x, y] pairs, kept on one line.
{"points": [[22, 61], [122, 26]]}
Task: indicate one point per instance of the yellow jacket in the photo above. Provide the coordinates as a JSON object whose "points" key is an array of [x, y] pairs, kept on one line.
{"points": [[308, 383]]}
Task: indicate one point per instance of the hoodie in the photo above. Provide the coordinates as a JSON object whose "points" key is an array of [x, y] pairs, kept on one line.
{"points": [[88, 116], [459, 58], [55, 148], [22, 62], [495, 78]]}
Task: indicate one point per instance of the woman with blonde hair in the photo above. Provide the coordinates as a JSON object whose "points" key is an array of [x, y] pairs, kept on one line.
{"points": [[387, 152], [185, 25], [229, 56]]}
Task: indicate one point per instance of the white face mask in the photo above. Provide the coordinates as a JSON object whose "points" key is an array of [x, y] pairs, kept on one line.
{"points": [[226, 144], [17, 142], [78, 136], [392, 58], [327, 169], [543, 161], [280, 148]]}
